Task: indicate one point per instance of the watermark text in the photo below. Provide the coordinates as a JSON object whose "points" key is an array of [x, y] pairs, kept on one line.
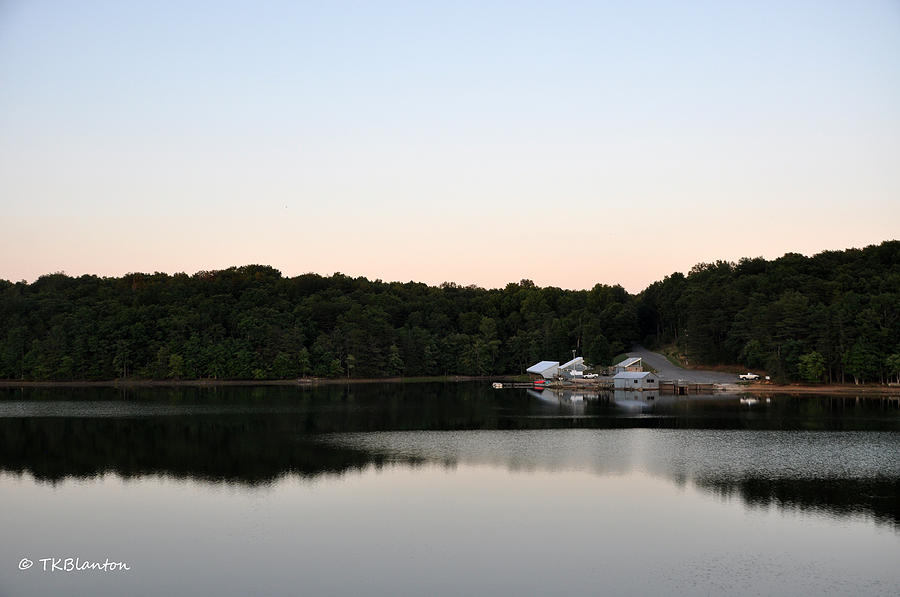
{"points": [[72, 565]]}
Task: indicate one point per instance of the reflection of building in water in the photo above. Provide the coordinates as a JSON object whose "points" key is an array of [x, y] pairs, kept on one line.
{"points": [[565, 396], [631, 364], [648, 397], [635, 400], [636, 380]]}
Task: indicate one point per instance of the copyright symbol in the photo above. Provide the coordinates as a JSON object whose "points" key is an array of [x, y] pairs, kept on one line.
{"points": [[25, 564]]}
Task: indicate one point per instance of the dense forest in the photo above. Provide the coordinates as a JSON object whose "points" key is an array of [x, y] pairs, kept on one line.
{"points": [[252, 323], [831, 317]]}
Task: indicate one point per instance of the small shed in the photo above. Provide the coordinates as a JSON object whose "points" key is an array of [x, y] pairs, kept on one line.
{"points": [[574, 368], [636, 380], [546, 369], [629, 364]]}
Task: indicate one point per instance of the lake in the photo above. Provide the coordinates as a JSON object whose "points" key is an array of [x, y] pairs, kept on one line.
{"points": [[445, 489]]}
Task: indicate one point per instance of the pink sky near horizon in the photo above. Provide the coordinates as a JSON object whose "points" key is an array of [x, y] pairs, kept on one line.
{"points": [[569, 143], [543, 258]]}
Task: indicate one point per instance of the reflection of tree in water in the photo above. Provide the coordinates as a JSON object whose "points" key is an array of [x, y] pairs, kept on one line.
{"points": [[878, 498], [255, 435], [259, 449], [232, 449]]}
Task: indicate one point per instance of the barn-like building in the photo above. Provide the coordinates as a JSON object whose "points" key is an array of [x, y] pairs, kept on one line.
{"points": [[629, 364]]}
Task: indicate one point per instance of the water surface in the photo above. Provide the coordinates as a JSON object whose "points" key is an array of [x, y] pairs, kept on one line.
{"points": [[448, 489]]}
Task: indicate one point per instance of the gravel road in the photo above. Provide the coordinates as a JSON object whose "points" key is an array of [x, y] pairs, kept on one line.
{"points": [[668, 371]]}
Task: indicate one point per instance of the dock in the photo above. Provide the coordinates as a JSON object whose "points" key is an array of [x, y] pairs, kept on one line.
{"points": [[680, 387], [676, 387]]}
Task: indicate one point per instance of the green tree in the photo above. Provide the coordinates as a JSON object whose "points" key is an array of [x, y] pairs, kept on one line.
{"points": [[490, 344], [350, 362], [303, 361], [283, 366], [812, 367], [161, 367], [892, 363], [395, 362], [176, 366], [120, 360], [753, 354], [860, 362]]}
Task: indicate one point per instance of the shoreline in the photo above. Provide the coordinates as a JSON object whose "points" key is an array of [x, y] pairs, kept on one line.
{"points": [[210, 383], [831, 390], [799, 389]]}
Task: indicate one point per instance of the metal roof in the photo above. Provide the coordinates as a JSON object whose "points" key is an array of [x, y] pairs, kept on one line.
{"points": [[632, 375], [573, 362], [628, 362], [542, 366]]}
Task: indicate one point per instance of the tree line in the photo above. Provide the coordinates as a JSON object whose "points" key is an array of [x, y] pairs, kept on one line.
{"points": [[831, 317], [252, 323]]}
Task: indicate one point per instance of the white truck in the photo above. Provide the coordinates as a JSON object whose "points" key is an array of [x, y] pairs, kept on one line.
{"points": [[748, 376]]}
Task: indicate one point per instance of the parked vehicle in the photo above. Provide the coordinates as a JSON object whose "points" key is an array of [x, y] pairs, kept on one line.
{"points": [[748, 376]]}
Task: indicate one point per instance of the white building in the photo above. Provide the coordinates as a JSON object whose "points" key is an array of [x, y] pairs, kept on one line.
{"points": [[546, 369], [573, 369], [636, 380]]}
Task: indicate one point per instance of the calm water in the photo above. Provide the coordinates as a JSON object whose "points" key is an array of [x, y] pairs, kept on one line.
{"points": [[447, 489]]}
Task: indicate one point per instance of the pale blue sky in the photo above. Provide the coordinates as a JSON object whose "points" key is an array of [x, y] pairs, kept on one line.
{"points": [[475, 142]]}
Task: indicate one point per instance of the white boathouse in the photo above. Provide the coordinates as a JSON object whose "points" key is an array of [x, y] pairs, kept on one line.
{"points": [[636, 380], [546, 369]]}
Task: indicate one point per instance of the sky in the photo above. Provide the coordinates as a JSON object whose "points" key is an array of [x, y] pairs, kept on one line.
{"points": [[571, 143]]}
